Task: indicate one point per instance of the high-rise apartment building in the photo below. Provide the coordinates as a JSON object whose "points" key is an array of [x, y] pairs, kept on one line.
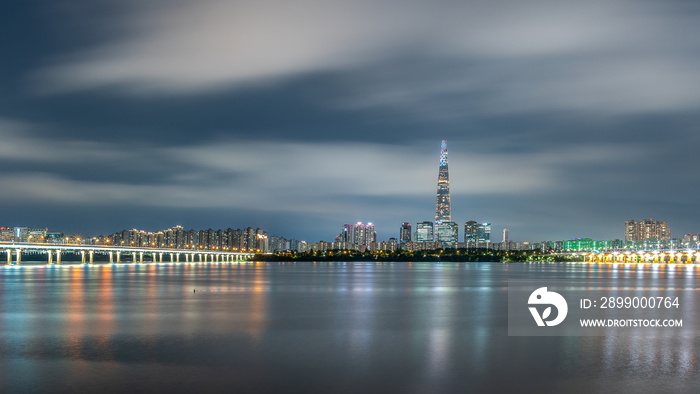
{"points": [[506, 233], [405, 233], [358, 236], [261, 241], [424, 232], [442, 203], [640, 230], [370, 234]]}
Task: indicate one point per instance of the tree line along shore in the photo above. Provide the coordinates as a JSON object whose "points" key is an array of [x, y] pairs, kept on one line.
{"points": [[437, 255]]}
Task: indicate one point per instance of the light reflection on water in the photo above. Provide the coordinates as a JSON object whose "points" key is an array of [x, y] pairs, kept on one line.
{"points": [[321, 327]]}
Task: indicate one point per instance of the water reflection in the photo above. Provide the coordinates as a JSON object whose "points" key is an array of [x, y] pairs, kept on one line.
{"points": [[390, 327]]}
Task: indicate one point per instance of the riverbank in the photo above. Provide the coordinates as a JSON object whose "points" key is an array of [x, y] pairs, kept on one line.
{"points": [[449, 255]]}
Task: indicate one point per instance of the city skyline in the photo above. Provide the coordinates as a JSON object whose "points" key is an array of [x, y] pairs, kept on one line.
{"points": [[442, 233], [563, 119]]}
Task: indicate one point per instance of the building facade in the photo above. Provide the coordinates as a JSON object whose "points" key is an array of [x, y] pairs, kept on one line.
{"points": [[640, 230], [447, 232], [442, 203], [424, 232], [405, 233], [483, 232], [470, 231]]}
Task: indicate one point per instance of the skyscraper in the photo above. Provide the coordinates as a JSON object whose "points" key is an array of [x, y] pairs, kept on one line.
{"points": [[442, 204]]}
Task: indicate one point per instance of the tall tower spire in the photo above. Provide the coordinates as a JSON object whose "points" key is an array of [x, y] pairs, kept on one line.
{"points": [[442, 205]]}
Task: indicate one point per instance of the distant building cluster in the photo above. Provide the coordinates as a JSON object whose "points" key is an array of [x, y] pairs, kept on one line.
{"points": [[235, 240], [27, 234], [439, 234], [444, 233], [358, 236]]}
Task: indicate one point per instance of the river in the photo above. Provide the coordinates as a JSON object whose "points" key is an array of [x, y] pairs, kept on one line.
{"points": [[319, 328]]}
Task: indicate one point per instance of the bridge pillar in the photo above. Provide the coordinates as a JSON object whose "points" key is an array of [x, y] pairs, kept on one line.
{"points": [[111, 257], [58, 256], [92, 252], [161, 257], [177, 257], [82, 256], [119, 256], [9, 256], [172, 258], [19, 256], [50, 255], [140, 257], [200, 257]]}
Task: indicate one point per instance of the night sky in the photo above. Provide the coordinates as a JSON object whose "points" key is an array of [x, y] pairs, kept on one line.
{"points": [[563, 119]]}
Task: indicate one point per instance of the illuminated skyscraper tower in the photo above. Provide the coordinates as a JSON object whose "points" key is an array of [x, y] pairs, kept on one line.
{"points": [[442, 205]]}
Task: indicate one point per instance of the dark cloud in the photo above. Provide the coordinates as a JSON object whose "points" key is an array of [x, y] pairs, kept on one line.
{"points": [[563, 118]]}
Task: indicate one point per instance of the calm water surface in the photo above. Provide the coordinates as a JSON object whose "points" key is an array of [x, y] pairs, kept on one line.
{"points": [[318, 327]]}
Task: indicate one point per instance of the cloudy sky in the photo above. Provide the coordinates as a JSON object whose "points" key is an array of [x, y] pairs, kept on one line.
{"points": [[563, 119]]}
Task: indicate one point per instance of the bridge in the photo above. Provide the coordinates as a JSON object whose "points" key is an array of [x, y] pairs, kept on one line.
{"points": [[115, 253], [691, 256]]}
